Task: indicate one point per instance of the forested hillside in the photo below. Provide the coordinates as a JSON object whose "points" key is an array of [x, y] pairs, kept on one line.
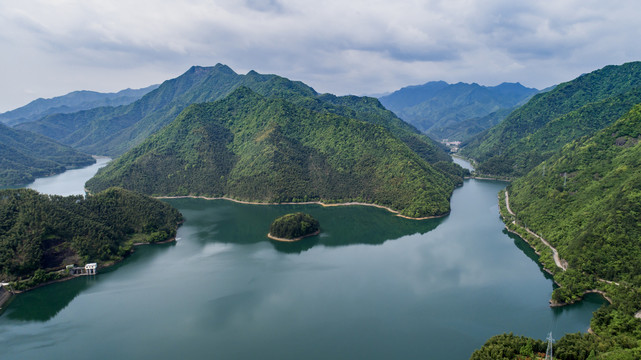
{"points": [[41, 233], [25, 156], [439, 109], [114, 130], [255, 148], [586, 201], [550, 120], [72, 102]]}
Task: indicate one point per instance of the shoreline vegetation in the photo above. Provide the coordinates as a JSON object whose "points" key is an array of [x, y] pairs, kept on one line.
{"points": [[504, 204], [351, 203], [102, 266], [66, 277], [104, 228]]}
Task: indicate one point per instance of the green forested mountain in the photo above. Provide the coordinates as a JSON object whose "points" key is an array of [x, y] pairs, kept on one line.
{"points": [[41, 233], [586, 201], [114, 130], [257, 148], [439, 109], [550, 120], [72, 102], [25, 156]]}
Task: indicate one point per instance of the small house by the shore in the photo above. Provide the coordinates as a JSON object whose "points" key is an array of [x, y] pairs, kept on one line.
{"points": [[88, 269]]}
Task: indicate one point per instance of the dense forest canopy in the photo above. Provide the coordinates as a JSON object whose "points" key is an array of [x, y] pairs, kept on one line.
{"points": [[586, 201], [293, 226], [538, 129], [40, 233], [114, 130], [254, 148]]}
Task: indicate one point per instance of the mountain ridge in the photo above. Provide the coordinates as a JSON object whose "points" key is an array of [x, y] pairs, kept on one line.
{"points": [[256, 148], [514, 146], [112, 131], [71, 102], [437, 106]]}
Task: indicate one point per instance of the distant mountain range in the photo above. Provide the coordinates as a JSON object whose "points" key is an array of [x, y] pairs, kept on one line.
{"points": [[114, 130], [25, 156], [72, 102], [456, 111], [273, 149]]}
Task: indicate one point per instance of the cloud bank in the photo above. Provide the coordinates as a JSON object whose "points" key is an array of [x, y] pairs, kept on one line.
{"points": [[52, 47]]}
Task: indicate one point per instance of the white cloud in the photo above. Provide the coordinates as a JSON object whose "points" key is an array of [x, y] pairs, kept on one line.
{"points": [[336, 46]]}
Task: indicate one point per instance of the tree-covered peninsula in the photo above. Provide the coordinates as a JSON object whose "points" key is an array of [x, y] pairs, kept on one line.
{"points": [[292, 227], [249, 147], [41, 234]]}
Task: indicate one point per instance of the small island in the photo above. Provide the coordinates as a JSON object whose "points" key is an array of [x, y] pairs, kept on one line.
{"points": [[293, 227]]}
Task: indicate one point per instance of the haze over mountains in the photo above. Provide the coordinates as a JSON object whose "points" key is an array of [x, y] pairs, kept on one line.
{"points": [[455, 111], [72, 102]]}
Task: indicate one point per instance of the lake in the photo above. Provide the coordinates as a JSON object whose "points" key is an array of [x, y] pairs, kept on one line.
{"points": [[370, 286]]}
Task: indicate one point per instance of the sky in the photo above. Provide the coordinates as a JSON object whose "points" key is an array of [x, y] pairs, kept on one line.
{"points": [[362, 47]]}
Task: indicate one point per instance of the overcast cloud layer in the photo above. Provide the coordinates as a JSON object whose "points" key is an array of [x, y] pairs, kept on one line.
{"points": [[52, 47]]}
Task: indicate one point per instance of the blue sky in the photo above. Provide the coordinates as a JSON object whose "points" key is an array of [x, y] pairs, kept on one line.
{"points": [[52, 47]]}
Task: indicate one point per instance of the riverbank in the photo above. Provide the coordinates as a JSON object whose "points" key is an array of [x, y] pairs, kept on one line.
{"points": [[5, 296], [558, 261], [269, 235], [63, 277], [352, 203]]}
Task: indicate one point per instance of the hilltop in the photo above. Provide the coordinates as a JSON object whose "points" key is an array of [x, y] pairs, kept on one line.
{"points": [[261, 149], [114, 130]]}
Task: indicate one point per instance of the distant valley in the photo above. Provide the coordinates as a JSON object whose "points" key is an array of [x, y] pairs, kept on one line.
{"points": [[456, 111]]}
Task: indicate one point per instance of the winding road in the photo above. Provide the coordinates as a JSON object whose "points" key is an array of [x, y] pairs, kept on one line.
{"points": [[561, 263]]}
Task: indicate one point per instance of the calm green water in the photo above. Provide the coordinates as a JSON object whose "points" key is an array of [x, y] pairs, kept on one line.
{"points": [[371, 286]]}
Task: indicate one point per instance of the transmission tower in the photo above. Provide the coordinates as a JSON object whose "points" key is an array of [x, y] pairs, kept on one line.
{"points": [[548, 352]]}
